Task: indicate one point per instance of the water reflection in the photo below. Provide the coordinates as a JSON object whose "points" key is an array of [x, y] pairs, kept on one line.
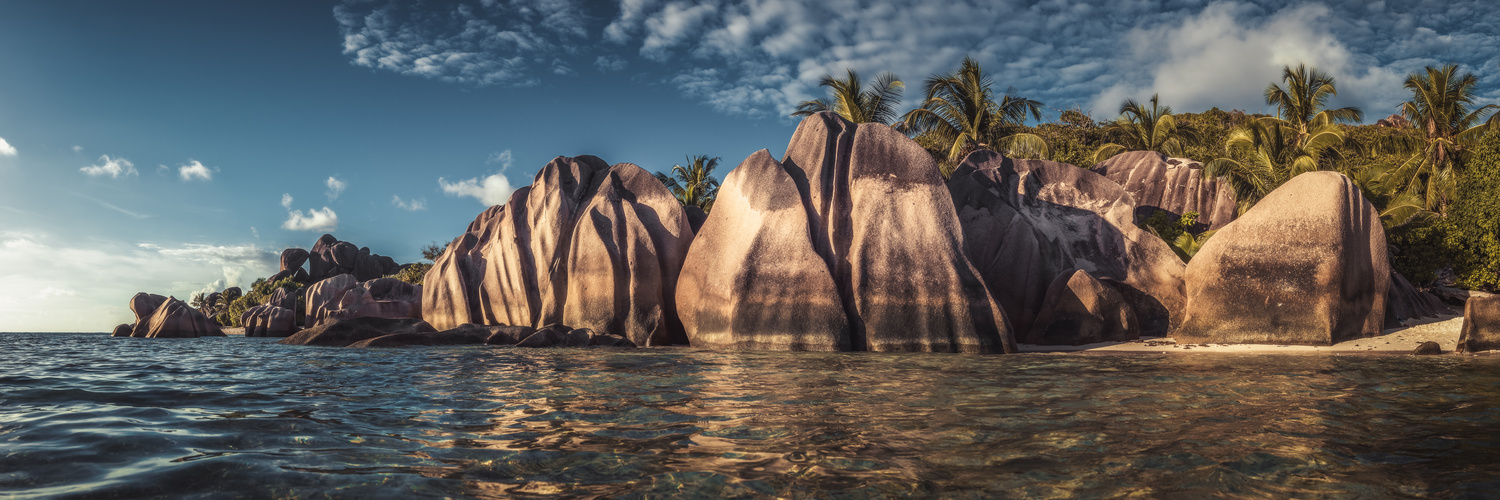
{"points": [[167, 418]]}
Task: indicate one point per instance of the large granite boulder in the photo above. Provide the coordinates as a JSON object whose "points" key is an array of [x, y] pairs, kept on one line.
{"points": [[293, 258], [341, 297], [591, 244], [297, 275], [849, 243], [122, 330], [330, 257], [342, 333], [1174, 185], [269, 321], [1307, 265], [1026, 222], [324, 296], [175, 319], [143, 305], [283, 299], [1481, 328], [1404, 302], [1082, 310]]}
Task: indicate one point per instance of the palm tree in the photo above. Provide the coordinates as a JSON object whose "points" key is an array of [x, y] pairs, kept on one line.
{"points": [[1143, 129], [874, 105], [960, 115], [1440, 108], [693, 185], [1302, 105], [1270, 155]]}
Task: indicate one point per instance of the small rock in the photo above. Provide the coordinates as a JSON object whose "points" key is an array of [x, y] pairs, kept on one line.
{"points": [[1427, 348]]}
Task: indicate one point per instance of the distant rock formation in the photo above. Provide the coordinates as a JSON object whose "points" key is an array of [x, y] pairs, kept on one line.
{"points": [[330, 257], [269, 321], [175, 319], [342, 297], [143, 305], [849, 243], [1173, 185], [1026, 222], [122, 330], [1481, 328], [1393, 121], [1082, 310], [587, 244], [1307, 265]]}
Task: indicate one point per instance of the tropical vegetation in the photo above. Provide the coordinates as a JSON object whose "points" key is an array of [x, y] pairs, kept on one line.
{"points": [[693, 185], [851, 100], [960, 114]]}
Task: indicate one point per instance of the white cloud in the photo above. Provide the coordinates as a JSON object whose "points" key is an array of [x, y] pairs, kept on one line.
{"points": [[286, 201], [195, 170], [6, 149], [77, 149], [494, 189], [409, 205], [335, 188], [503, 159], [113, 167], [325, 220]]}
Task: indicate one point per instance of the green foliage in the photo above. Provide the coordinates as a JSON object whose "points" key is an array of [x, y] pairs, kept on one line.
{"points": [[695, 184], [260, 292], [412, 273], [1177, 232], [877, 104], [1143, 129], [432, 251], [960, 114], [1420, 251], [1474, 219]]}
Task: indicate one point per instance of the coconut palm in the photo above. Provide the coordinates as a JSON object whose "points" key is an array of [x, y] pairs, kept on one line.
{"points": [[1145, 129], [1441, 108], [1270, 155], [876, 104], [960, 114], [1302, 104], [693, 185]]}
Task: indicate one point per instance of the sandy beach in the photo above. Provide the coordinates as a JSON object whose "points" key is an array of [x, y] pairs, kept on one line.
{"points": [[1443, 329]]}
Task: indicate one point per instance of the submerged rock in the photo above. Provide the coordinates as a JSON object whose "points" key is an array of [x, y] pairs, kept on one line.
{"points": [[1427, 348], [1082, 310], [1026, 222], [342, 333], [590, 244], [1481, 328], [848, 243], [1307, 265], [1173, 185]]}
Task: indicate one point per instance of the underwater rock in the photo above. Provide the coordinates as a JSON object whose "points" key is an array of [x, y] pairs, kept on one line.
{"points": [[1173, 185], [1307, 266], [1427, 348]]}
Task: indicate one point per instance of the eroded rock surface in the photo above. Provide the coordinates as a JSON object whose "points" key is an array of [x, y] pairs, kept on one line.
{"points": [[1307, 265], [269, 321], [848, 243], [1404, 302], [1174, 185], [330, 257], [345, 332], [175, 319], [1481, 328], [1082, 310], [143, 305], [1026, 222]]}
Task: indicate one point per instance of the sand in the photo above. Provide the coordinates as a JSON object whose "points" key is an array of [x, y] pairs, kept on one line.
{"points": [[1442, 329]]}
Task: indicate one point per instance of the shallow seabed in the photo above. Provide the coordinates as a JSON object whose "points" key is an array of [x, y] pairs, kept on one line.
{"points": [[84, 415]]}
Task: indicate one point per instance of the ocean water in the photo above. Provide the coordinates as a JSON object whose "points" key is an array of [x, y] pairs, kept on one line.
{"points": [[88, 416]]}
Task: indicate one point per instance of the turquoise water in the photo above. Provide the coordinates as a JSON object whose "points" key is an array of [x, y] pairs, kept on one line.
{"points": [[88, 416]]}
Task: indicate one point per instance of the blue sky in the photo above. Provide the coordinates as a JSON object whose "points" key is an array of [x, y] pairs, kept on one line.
{"points": [[173, 147]]}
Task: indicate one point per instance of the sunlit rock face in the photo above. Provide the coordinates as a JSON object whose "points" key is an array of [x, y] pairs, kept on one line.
{"points": [[1026, 222], [1081, 310], [1481, 328], [1173, 185], [175, 319], [587, 244], [268, 320], [330, 257], [849, 243], [143, 305], [1307, 265], [341, 297]]}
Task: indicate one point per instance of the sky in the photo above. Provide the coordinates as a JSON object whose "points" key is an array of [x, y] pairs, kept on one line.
{"points": [[174, 147]]}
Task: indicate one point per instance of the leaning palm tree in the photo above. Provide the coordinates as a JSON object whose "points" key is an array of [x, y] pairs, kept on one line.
{"points": [[693, 185], [1441, 108], [876, 104], [1145, 129], [960, 114], [1270, 155], [1302, 104]]}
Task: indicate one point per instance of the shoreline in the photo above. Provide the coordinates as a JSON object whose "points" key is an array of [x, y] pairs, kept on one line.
{"points": [[1442, 329]]}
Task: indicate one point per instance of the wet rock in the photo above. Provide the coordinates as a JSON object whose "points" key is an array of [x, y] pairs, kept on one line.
{"points": [[293, 258], [1082, 310], [562, 250], [143, 305], [342, 333], [1173, 185], [269, 321], [1404, 302], [1427, 348], [556, 335], [1481, 328], [1307, 266], [885, 251], [175, 319], [123, 330], [456, 336], [1026, 222]]}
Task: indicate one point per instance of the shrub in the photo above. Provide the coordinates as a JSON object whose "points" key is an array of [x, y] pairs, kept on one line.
{"points": [[412, 273], [260, 292], [1473, 222]]}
